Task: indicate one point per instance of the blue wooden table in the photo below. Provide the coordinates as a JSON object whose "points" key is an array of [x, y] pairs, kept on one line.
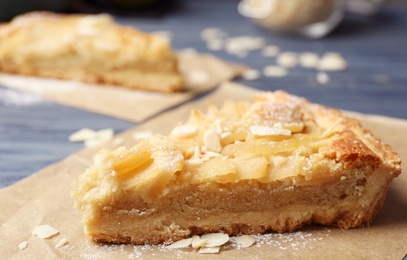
{"points": [[34, 132]]}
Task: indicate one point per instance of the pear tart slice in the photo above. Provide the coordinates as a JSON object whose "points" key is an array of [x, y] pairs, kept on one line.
{"points": [[275, 164], [88, 48]]}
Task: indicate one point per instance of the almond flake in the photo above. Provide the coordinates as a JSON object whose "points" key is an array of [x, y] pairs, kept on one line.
{"points": [[209, 250], [215, 239], [208, 34], [44, 231], [23, 245], [82, 135], [270, 51], [181, 244], [332, 62], [198, 242], [61, 243], [211, 141], [198, 78], [274, 71], [260, 130], [245, 240], [185, 130], [287, 59], [215, 44], [93, 142], [309, 60], [105, 134], [251, 74]]}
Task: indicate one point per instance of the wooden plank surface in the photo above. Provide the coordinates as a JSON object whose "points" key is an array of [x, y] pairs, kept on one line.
{"points": [[34, 133]]}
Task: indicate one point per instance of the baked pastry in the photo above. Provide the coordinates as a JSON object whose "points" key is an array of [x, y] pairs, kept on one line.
{"points": [[275, 164], [88, 48]]}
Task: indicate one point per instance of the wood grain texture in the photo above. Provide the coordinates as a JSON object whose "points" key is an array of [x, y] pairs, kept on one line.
{"points": [[36, 135]]}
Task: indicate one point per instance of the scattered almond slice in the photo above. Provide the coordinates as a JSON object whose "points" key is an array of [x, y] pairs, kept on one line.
{"points": [[197, 78], [61, 243], [198, 242], [309, 60], [82, 135], [93, 142], [23, 245], [184, 243], [211, 33], [44, 231], [251, 74], [209, 250], [332, 62], [215, 44], [287, 59], [275, 71], [185, 130], [245, 241], [215, 239]]}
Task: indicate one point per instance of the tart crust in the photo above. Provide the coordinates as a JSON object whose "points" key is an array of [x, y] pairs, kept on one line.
{"points": [[275, 164]]}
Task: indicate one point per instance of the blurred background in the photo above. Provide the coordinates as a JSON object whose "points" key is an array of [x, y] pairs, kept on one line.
{"points": [[9, 9]]}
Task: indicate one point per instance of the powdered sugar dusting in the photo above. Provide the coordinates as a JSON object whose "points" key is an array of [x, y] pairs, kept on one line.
{"points": [[14, 98], [289, 241], [279, 244]]}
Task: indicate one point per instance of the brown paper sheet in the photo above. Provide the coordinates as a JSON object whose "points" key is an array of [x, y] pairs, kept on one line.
{"points": [[117, 102], [43, 198]]}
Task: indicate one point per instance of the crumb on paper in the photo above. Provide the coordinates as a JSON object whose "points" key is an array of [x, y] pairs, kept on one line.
{"points": [[61, 243], [23, 245], [274, 71], [45, 231], [322, 78]]}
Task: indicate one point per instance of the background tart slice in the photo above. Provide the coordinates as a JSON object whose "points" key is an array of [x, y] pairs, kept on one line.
{"points": [[88, 48], [274, 164]]}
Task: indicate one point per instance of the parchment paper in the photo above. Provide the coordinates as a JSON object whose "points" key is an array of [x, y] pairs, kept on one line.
{"points": [[117, 101], [43, 198]]}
